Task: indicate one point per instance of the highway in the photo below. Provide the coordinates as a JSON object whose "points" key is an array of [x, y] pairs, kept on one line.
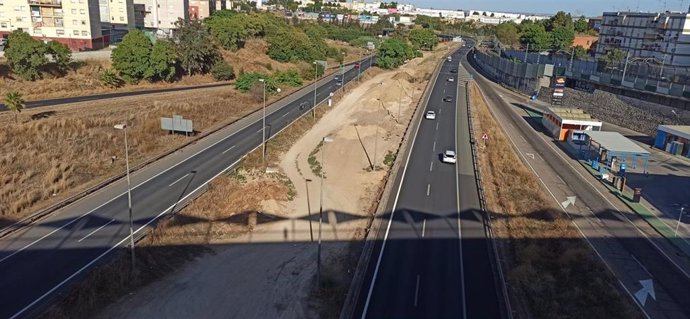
{"points": [[629, 248], [433, 258], [40, 260]]}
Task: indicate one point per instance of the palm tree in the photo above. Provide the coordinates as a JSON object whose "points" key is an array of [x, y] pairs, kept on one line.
{"points": [[15, 103]]}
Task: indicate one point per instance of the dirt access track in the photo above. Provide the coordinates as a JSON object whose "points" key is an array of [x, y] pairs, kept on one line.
{"points": [[269, 272]]}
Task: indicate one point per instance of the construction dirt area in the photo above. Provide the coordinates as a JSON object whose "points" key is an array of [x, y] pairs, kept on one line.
{"points": [[250, 248]]}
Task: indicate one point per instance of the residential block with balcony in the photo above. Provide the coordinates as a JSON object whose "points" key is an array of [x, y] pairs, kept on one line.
{"points": [[659, 36]]}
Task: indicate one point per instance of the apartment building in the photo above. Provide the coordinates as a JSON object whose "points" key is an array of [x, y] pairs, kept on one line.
{"points": [[160, 15], [661, 36], [75, 23]]}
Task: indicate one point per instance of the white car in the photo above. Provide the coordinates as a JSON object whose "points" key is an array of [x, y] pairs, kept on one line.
{"points": [[449, 157], [430, 115], [451, 79], [450, 59]]}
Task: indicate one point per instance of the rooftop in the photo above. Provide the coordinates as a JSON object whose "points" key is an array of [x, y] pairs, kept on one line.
{"points": [[679, 130], [574, 114], [615, 142]]}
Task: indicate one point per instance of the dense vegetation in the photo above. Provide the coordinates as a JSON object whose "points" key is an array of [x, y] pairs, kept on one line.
{"points": [[28, 57]]}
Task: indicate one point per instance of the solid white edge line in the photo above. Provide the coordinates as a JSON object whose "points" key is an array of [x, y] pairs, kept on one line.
{"points": [[62, 283], [395, 204], [572, 221], [97, 229], [457, 199], [147, 180]]}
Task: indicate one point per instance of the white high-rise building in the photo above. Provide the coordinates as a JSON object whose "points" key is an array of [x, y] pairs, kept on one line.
{"points": [[663, 36], [76, 23]]}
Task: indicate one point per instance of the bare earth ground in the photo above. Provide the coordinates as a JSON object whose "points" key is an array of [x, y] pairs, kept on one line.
{"points": [[54, 152], [267, 271]]}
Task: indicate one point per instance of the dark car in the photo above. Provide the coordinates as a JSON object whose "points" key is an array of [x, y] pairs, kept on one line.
{"points": [[303, 105], [454, 71], [448, 98]]}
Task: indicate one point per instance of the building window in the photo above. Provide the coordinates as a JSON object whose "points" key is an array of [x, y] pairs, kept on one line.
{"points": [[75, 22], [122, 10], [74, 11], [20, 19], [83, 22], [3, 24], [82, 11], [85, 33], [75, 32], [122, 19], [59, 32]]}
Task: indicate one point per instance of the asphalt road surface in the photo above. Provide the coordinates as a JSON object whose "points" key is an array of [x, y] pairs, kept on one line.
{"points": [[626, 244], [38, 261], [433, 260], [95, 97]]}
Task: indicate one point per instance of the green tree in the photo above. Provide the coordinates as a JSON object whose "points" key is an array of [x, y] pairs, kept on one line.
{"points": [[25, 55], [308, 73], [535, 35], [580, 53], [15, 103], [424, 39], [162, 62], [61, 54], [131, 58], [393, 53], [109, 78], [561, 19], [195, 49], [581, 25], [612, 57], [562, 38], [222, 71], [508, 33]]}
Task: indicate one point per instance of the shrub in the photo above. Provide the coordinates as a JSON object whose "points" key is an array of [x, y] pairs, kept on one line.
{"points": [[222, 71], [109, 78], [290, 77], [25, 55]]}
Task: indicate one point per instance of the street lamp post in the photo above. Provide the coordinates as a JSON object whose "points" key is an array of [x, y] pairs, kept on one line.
{"points": [[316, 79], [625, 67], [400, 97], [325, 140], [679, 217], [263, 130], [129, 195], [311, 231]]}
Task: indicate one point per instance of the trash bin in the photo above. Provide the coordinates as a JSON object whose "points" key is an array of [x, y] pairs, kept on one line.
{"points": [[637, 193]]}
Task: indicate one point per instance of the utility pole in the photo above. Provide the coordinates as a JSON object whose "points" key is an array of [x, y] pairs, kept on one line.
{"points": [[311, 231], [325, 140], [316, 79], [572, 55], [661, 72], [679, 217], [129, 198], [400, 97], [526, 50], [625, 67], [263, 130]]}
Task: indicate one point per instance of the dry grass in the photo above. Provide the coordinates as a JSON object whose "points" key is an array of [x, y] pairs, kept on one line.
{"points": [[83, 79], [227, 210], [551, 271], [55, 152]]}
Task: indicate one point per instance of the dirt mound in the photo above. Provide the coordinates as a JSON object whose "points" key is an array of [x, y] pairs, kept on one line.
{"points": [[404, 76]]}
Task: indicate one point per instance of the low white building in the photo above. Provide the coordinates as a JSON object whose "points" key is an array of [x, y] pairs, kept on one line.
{"points": [[440, 13]]}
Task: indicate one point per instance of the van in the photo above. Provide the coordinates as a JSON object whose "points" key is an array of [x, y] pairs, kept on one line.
{"points": [[449, 59]]}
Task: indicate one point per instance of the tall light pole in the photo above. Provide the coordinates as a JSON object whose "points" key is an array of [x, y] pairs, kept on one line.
{"points": [[679, 217], [129, 195], [316, 79], [400, 97], [306, 185], [661, 72], [526, 50], [376, 136], [572, 55], [325, 140], [625, 67], [263, 130]]}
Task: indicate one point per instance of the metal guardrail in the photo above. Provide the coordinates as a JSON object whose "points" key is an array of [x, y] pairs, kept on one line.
{"points": [[26, 221], [482, 202]]}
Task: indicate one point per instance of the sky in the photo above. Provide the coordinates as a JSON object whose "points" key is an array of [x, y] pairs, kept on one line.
{"points": [[577, 7]]}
